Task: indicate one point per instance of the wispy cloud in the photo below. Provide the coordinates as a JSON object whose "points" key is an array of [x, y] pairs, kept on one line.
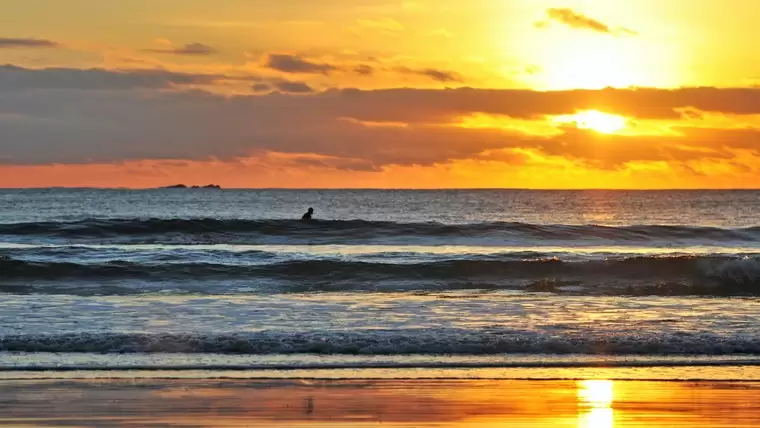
{"points": [[577, 20], [27, 43], [293, 87], [433, 73], [191, 49], [364, 70], [295, 64], [14, 78], [287, 63], [284, 86]]}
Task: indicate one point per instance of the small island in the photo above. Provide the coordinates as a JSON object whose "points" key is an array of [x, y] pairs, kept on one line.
{"points": [[183, 186]]}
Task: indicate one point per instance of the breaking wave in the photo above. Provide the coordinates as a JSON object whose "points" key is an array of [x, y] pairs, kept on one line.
{"points": [[350, 231], [654, 275], [385, 342]]}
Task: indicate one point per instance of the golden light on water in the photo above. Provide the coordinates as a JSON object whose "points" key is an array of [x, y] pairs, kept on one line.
{"points": [[595, 399], [597, 418], [594, 120], [596, 393]]}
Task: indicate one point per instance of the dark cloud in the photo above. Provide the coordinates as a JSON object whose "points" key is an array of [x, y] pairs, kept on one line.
{"points": [[577, 20], [295, 64], [119, 126], [261, 87], [293, 87], [346, 164], [364, 70], [615, 151], [580, 21], [419, 106], [18, 78], [79, 126], [191, 49], [442, 105], [27, 43], [284, 86], [435, 74]]}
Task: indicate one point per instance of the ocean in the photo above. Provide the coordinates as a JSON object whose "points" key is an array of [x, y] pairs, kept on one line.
{"points": [[205, 278]]}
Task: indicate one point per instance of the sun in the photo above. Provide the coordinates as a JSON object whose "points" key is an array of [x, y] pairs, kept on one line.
{"points": [[594, 120]]}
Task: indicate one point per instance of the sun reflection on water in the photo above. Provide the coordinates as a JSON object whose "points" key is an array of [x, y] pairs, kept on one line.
{"points": [[595, 399]]}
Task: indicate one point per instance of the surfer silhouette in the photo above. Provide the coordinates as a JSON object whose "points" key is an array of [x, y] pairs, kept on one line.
{"points": [[308, 214]]}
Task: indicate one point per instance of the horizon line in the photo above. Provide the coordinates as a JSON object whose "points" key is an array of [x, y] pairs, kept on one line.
{"points": [[536, 189]]}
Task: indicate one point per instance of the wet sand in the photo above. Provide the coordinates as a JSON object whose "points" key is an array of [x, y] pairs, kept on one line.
{"points": [[369, 403]]}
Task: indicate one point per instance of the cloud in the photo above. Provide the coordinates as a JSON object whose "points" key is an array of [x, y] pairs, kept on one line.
{"points": [[190, 49], [577, 20], [442, 105], [294, 64], [27, 43], [14, 78], [364, 70], [435, 74], [284, 86], [293, 87], [342, 128], [616, 151], [329, 162], [77, 126], [261, 87], [580, 21]]}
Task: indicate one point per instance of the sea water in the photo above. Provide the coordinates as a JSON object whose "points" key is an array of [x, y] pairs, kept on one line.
{"points": [[199, 278]]}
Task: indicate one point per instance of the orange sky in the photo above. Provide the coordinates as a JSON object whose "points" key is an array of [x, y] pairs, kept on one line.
{"points": [[380, 93]]}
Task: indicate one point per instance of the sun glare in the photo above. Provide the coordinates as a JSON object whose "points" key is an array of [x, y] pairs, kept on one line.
{"points": [[596, 393], [595, 398], [594, 120], [583, 60]]}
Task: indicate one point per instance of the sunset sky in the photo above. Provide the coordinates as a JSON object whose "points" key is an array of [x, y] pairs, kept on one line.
{"points": [[380, 93]]}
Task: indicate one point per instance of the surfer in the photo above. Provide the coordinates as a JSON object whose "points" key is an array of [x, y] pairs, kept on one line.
{"points": [[308, 214]]}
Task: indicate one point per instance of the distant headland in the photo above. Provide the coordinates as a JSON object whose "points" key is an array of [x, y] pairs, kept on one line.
{"points": [[182, 186]]}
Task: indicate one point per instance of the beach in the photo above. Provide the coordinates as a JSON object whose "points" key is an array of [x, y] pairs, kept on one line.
{"points": [[208, 402]]}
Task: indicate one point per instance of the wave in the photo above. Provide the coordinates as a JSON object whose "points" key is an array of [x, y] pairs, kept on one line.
{"points": [[379, 342], [207, 230], [654, 275], [378, 365]]}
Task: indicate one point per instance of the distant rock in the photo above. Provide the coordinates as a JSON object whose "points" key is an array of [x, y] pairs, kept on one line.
{"points": [[182, 186]]}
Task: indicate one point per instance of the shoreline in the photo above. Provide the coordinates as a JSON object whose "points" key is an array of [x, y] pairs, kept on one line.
{"points": [[725, 368], [642, 373]]}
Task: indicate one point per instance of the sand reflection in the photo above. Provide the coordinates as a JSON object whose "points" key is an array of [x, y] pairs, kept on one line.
{"points": [[375, 403]]}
